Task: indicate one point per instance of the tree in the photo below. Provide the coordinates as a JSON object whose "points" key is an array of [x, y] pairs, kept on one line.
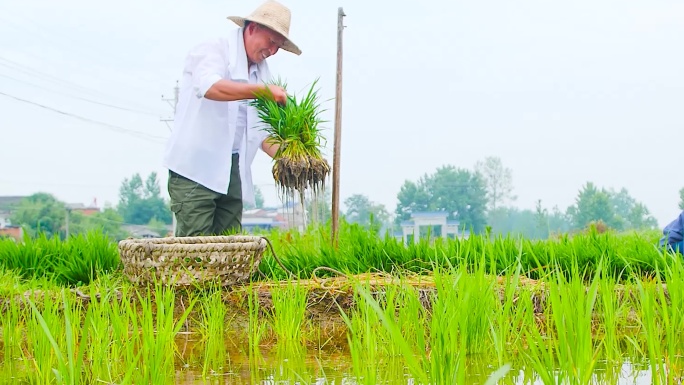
{"points": [[681, 199], [499, 181], [413, 197], [363, 211], [138, 204], [258, 200], [632, 214], [592, 205], [458, 192], [108, 222], [40, 213]]}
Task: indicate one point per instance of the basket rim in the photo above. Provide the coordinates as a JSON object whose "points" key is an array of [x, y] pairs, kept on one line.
{"points": [[196, 240]]}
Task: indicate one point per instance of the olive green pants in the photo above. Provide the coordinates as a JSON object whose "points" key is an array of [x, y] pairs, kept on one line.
{"points": [[200, 211]]}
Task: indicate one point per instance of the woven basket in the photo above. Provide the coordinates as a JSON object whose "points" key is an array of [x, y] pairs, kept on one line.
{"points": [[192, 261]]}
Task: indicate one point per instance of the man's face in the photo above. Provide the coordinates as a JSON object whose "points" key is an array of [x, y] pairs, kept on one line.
{"points": [[261, 42]]}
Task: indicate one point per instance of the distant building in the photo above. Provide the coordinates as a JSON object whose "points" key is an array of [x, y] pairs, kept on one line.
{"points": [[143, 231], [14, 232], [286, 217], [83, 209], [7, 205], [449, 228]]}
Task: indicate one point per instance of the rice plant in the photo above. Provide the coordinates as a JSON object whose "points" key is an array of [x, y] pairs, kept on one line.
{"points": [[295, 128]]}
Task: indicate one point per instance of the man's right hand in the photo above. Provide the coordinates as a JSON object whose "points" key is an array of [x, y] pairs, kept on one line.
{"points": [[279, 94]]}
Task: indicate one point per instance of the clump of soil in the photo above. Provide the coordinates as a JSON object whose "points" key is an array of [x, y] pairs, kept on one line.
{"points": [[300, 174]]}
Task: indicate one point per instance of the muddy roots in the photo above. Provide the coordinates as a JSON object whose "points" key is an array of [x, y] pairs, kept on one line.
{"points": [[300, 174]]}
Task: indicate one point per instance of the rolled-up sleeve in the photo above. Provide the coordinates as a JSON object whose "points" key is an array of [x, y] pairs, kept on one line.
{"points": [[208, 65]]}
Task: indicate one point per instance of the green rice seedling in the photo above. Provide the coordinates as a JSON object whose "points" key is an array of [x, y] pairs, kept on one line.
{"points": [[661, 320], [652, 332], [449, 327], [213, 329], [256, 330], [289, 313], [572, 308], [612, 312], [84, 256], [510, 317], [77, 260], [42, 355], [366, 349], [290, 367], [294, 128], [32, 258], [362, 339], [69, 368], [159, 328], [412, 318], [12, 323]]}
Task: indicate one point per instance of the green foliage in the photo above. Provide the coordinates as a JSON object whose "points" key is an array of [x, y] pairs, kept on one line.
{"points": [[459, 192], [366, 213], [40, 213], [616, 209], [499, 181], [139, 203], [107, 222], [681, 199], [529, 224], [78, 260], [258, 200], [293, 126]]}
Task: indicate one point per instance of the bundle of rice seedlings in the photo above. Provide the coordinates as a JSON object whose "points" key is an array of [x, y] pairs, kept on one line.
{"points": [[298, 163]]}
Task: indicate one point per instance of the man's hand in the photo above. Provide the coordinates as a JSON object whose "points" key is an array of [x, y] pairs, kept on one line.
{"points": [[279, 94]]}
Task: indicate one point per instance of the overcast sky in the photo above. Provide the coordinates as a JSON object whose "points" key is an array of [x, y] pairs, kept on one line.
{"points": [[564, 92]]}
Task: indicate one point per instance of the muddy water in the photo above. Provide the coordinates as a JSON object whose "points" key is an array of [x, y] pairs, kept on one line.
{"points": [[334, 365]]}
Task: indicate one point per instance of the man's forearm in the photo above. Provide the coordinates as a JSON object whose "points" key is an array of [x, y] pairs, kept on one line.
{"points": [[269, 148], [226, 91]]}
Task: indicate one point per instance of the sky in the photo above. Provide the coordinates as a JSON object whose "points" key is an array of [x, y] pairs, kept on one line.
{"points": [[563, 92]]}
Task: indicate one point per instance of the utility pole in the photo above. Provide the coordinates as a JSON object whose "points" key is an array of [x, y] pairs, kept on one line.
{"points": [[174, 105], [68, 210], [173, 102], [338, 128]]}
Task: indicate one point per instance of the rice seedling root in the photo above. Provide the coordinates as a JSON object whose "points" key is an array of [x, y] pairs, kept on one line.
{"points": [[301, 173]]}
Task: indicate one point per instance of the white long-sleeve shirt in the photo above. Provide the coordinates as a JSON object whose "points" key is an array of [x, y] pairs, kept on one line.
{"points": [[202, 139]]}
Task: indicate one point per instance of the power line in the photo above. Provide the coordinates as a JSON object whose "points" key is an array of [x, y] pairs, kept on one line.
{"points": [[111, 126], [77, 97], [16, 66]]}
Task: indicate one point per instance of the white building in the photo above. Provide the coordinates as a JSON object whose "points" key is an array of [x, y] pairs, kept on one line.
{"points": [[449, 228]]}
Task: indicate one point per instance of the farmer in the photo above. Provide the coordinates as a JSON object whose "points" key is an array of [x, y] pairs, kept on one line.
{"points": [[215, 135], [673, 234]]}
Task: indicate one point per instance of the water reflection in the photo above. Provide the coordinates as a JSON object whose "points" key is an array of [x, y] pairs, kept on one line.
{"points": [[296, 364]]}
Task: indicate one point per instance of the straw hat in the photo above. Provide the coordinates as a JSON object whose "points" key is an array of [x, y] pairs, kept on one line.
{"points": [[275, 16]]}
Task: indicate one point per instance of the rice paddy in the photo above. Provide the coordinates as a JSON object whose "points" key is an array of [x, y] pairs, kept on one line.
{"points": [[594, 307]]}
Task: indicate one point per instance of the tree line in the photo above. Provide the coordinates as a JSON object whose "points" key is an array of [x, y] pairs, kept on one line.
{"points": [[140, 203], [480, 199]]}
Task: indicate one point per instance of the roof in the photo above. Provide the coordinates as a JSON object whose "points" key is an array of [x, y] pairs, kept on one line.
{"points": [[424, 214], [10, 200], [449, 223]]}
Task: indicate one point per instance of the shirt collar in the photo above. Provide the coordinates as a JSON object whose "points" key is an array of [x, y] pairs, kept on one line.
{"points": [[239, 66]]}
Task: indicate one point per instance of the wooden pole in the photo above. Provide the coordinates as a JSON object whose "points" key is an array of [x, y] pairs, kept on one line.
{"points": [[338, 128]]}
